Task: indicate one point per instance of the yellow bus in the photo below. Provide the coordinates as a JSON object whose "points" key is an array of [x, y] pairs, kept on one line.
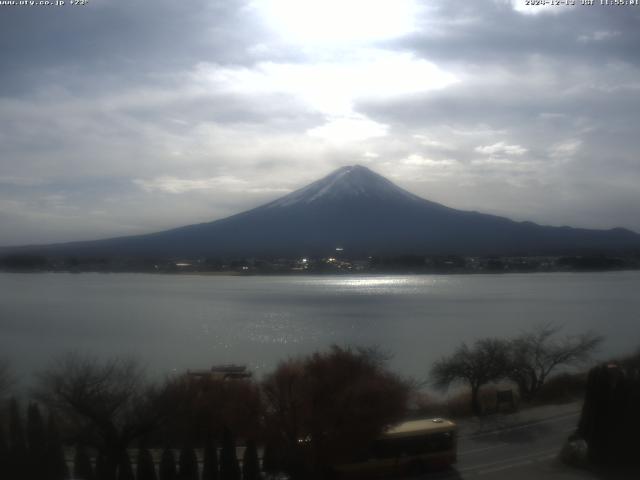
{"points": [[408, 448]]}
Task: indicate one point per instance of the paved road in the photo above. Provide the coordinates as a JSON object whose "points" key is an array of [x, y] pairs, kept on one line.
{"points": [[521, 451], [508, 449]]}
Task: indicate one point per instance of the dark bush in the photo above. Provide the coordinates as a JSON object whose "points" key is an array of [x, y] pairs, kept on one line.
{"points": [[339, 400], [561, 388], [204, 404]]}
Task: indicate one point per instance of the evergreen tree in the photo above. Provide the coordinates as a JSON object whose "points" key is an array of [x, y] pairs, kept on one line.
{"points": [[82, 469], [250, 464], [270, 463], [168, 465], [102, 469], [37, 443], [4, 453], [188, 464], [229, 468], [125, 471], [210, 462], [110, 464], [55, 463], [145, 469], [18, 460]]}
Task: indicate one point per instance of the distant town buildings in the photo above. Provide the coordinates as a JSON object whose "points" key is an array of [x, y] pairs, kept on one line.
{"points": [[335, 262]]}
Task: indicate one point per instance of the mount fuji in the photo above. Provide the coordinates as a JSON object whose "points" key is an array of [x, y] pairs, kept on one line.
{"points": [[361, 212]]}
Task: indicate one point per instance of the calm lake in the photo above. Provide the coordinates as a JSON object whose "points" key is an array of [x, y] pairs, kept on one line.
{"points": [[179, 322]]}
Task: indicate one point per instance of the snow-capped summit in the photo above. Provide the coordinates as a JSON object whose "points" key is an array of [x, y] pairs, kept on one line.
{"points": [[354, 181]]}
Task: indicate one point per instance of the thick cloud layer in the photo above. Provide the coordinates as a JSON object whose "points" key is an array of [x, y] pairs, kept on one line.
{"points": [[129, 117]]}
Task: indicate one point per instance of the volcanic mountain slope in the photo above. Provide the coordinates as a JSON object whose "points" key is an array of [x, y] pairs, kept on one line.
{"points": [[362, 212]]}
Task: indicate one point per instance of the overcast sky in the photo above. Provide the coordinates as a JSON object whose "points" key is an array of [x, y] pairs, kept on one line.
{"points": [[124, 117]]}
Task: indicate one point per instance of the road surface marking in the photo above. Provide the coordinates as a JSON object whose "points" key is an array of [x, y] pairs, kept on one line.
{"points": [[500, 463]]}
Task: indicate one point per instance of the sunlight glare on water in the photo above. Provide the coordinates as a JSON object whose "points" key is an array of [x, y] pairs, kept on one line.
{"points": [[371, 285]]}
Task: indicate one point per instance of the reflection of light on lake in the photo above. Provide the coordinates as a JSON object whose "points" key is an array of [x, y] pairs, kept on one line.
{"points": [[381, 284], [371, 282]]}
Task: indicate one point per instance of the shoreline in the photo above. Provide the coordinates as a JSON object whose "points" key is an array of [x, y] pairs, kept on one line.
{"points": [[319, 274]]}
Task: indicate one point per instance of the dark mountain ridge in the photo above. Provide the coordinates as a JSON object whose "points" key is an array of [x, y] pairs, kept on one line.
{"points": [[360, 211]]}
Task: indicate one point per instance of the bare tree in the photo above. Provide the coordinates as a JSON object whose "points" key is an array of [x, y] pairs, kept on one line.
{"points": [[482, 363], [108, 401], [537, 353]]}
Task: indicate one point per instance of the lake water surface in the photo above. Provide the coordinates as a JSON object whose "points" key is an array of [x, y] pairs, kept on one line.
{"points": [[193, 321]]}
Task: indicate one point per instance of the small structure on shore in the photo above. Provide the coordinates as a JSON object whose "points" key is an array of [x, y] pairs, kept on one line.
{"points": [[221, 372]]}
